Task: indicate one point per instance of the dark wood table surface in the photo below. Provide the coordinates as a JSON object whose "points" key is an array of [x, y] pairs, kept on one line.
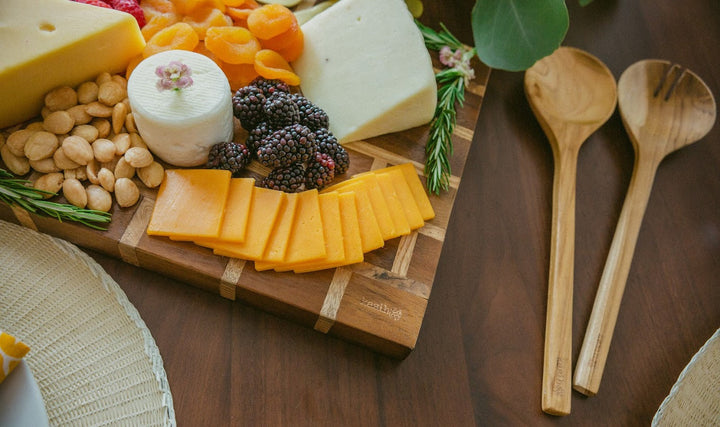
{"points": [[478, 359]]}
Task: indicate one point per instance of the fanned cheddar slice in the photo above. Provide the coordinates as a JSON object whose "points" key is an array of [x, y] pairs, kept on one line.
{"points": [[307, 242], [352, 245], [264, 210], [332, 232], [393, 202], [407, 200], [237, 211], [417, 189], [278, 243], [190, 203], [369, 228]]}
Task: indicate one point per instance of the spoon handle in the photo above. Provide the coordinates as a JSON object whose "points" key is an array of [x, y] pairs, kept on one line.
{"points": [[557, 368], [596, 344]]}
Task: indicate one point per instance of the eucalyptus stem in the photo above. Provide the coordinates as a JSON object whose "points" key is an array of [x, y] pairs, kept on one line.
{"points": [[18, 192]]}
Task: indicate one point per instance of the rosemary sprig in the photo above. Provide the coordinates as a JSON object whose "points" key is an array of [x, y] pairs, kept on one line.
{"points": [[16, 191], [451, 95]]}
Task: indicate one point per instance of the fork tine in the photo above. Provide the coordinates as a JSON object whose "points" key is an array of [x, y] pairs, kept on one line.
{"points": [[679, 75], [674, 83]]}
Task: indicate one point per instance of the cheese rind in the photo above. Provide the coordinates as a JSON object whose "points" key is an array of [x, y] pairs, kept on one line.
{"points": [[52, 43], [365, 64], [181, 126]]}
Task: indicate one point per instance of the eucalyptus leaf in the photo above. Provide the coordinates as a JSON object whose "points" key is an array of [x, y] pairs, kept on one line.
{"points": [[513, 34]]}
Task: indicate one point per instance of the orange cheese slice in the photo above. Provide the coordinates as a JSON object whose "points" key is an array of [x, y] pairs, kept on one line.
{"points": [[264, 210], [369, 229], [237, 211], [332, 233], [417, 189], [190, 203], [352, 244], [307, 241], [394, 205], [278, 243], [407, 200]]}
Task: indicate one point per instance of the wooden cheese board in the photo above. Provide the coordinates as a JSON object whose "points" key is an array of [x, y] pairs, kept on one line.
{"points": [[378, 303]]}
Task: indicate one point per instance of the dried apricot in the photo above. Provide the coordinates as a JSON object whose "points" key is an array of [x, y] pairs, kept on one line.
{"points": [[270, 20], [155, 7], [157, 23], [283, 39], [251, 4], [293, 51], [177, 36], [271, 65], [132, 64], [239, 75], [234, 45], [202, 21], [189, 7], [239, 16]]}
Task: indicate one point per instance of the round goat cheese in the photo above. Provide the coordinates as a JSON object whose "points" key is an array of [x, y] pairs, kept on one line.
{"points": [[180, 126]]}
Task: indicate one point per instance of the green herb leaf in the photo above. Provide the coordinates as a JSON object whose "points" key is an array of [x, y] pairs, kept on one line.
{"points": [[18, 192], [513, 34]]}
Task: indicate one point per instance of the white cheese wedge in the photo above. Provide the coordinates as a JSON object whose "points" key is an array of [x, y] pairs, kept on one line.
{"points": [[365, 64], [49, 43], [180, 126]]}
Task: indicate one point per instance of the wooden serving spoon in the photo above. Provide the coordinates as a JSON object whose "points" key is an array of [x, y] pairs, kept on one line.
{"points": [[572, 94], [663, 107]]}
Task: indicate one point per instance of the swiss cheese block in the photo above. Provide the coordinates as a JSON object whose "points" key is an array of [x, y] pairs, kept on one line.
{"points": [[307, 241], [407, 200], [190, 203], [237, 210], [365, 64], [352, 245], [277, 245], [52, 43], [332, 232], [264, 210], [180, 126]]}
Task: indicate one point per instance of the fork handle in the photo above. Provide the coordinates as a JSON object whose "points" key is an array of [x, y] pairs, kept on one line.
{"points": [[557, 363], [596, 344]]}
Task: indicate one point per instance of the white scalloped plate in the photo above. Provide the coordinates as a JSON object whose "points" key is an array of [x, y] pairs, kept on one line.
{"points": [[21, 403]]}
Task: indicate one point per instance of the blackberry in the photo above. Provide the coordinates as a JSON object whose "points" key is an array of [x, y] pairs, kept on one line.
{"points": [[268, 87], [291, 144], [256, 135], [290, 179], [248, 106], [311, 115], [320, 171], [230, 156], [281, 110], [328, 144]]}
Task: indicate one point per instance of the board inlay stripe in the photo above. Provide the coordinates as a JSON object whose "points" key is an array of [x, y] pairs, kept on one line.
{"points": [[463, 133], [404, 254], [331, 305], [134, 232], [432, 231], [231, 277], [23, 217]]}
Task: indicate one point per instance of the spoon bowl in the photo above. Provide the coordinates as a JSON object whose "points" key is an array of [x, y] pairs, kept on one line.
{"points": [[572, 94], [663, 107]]}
